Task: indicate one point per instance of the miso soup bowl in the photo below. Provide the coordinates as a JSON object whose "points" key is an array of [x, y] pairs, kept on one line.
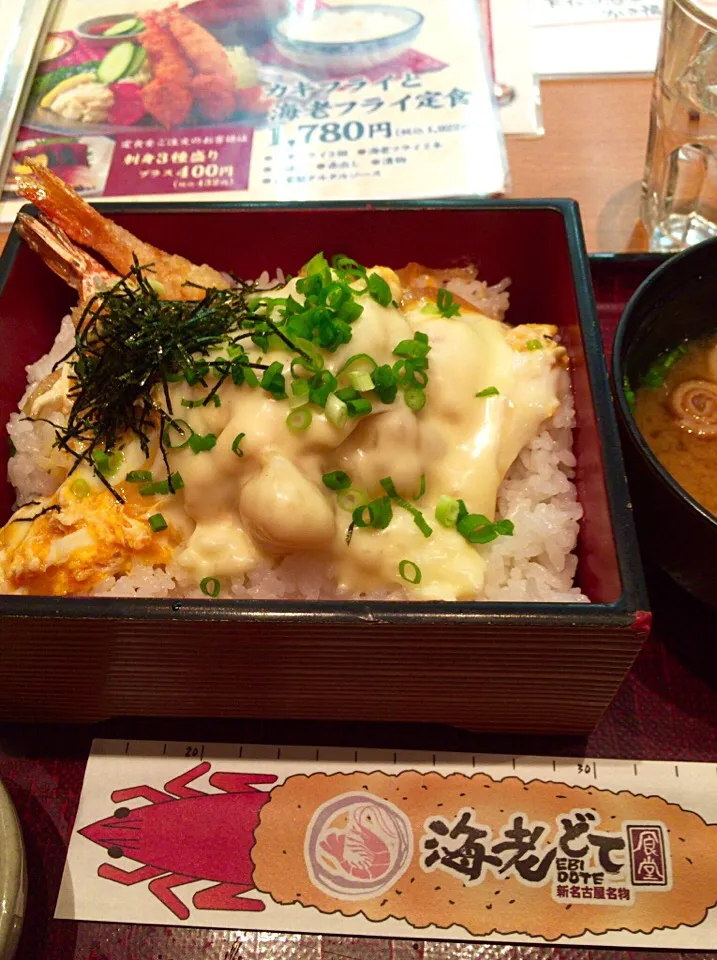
{"points": [[677, 301]]}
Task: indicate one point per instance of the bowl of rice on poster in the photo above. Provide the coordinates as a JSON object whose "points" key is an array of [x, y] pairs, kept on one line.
{"points": [[263, 100]]}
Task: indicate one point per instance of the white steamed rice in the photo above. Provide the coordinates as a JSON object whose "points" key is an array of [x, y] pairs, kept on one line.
{"points": [[538, 494]]}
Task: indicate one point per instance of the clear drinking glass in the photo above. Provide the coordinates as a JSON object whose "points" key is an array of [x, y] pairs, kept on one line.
{"points": [[679, 189]]}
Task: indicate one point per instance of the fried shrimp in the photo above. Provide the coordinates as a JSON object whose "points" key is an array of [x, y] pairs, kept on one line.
{"points": [[169, 103], [165, 56], [205, 54], [166, 97], [76, 267], [86, 226], [214, 98]]}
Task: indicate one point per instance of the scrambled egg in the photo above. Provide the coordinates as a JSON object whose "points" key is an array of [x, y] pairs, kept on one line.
{"points": [[236, 511], [77, 541]]}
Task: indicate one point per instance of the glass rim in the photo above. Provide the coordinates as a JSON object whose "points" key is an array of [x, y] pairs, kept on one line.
{"points": [[696, 9]]}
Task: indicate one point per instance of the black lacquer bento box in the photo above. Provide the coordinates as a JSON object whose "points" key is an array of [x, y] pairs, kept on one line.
{"points": [[542, 668]]}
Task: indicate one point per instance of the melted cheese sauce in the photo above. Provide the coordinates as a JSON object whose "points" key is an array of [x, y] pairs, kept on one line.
{"points": [[236, 512]]}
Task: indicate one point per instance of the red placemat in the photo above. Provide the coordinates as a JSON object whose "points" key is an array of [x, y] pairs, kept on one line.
{"points": [[666, 709]]}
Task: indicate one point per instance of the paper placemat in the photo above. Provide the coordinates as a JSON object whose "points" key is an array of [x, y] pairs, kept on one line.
{"points": [[396, 844]]}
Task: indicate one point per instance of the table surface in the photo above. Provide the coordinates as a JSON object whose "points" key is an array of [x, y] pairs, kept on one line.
{"points": [[598, 163], [665, 710]]}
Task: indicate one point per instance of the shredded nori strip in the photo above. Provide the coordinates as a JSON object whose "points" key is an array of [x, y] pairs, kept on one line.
{"points": [[128, 345], [54, 507]]}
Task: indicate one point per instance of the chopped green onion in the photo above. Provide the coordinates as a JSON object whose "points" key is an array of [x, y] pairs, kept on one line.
{"points": [[415, 398], [358, 408], [336, 411], [418, 518], [379, 290], [385, 383], [138, 476], [422, 488], [362, 516], [157, 522], [199, 443], [377, 513], [382, 513], [298, 401], [313, 361], [300, 390], [236, 444], [655, 375], [108, 463], [390, 487], [414, 571], [102, 461], [203, 402], [211, 587], [320, 386], [273, 380], [347, 393], [356, 358], [335, 295], [350, 499], [350, 311], [182, 428], [318, 266], [447, 510], [534, 345], [80, 488], [476, 528], [172, 484], [447, 307], [299, 420], [361, 381], [337, 480], [411, 372], [412, 348], [196, 373], [488, 392], [629, 392], [430, 308], [347, 267]]}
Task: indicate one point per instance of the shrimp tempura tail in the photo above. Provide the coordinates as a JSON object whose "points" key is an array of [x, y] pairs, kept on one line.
{"points": [[76, 267], [86, 226], [537, 859]]}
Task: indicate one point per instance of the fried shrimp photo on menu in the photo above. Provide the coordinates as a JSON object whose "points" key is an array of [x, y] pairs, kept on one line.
{"points": [[167, 96]]}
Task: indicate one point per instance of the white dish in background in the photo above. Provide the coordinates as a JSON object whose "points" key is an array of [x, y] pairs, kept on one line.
{"points": [[12, 877], [349, 38]]}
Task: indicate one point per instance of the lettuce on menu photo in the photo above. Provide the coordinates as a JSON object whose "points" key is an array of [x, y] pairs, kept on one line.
{"points": [[163, 67]]}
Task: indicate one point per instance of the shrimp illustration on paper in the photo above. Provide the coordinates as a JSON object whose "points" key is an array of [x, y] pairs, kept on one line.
{"points": [[183, 834], [507, 856]]}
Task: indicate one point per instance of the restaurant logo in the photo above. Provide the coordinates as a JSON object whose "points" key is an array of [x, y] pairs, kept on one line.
{"points": [[649, 855]]}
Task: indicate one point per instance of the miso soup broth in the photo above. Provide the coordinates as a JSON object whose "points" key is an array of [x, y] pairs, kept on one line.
{"points": [[676, 412]]}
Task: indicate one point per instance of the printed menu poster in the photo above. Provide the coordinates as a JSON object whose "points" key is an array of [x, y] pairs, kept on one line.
{"points": [[275, 100], [578, 37], [383, 844]]}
